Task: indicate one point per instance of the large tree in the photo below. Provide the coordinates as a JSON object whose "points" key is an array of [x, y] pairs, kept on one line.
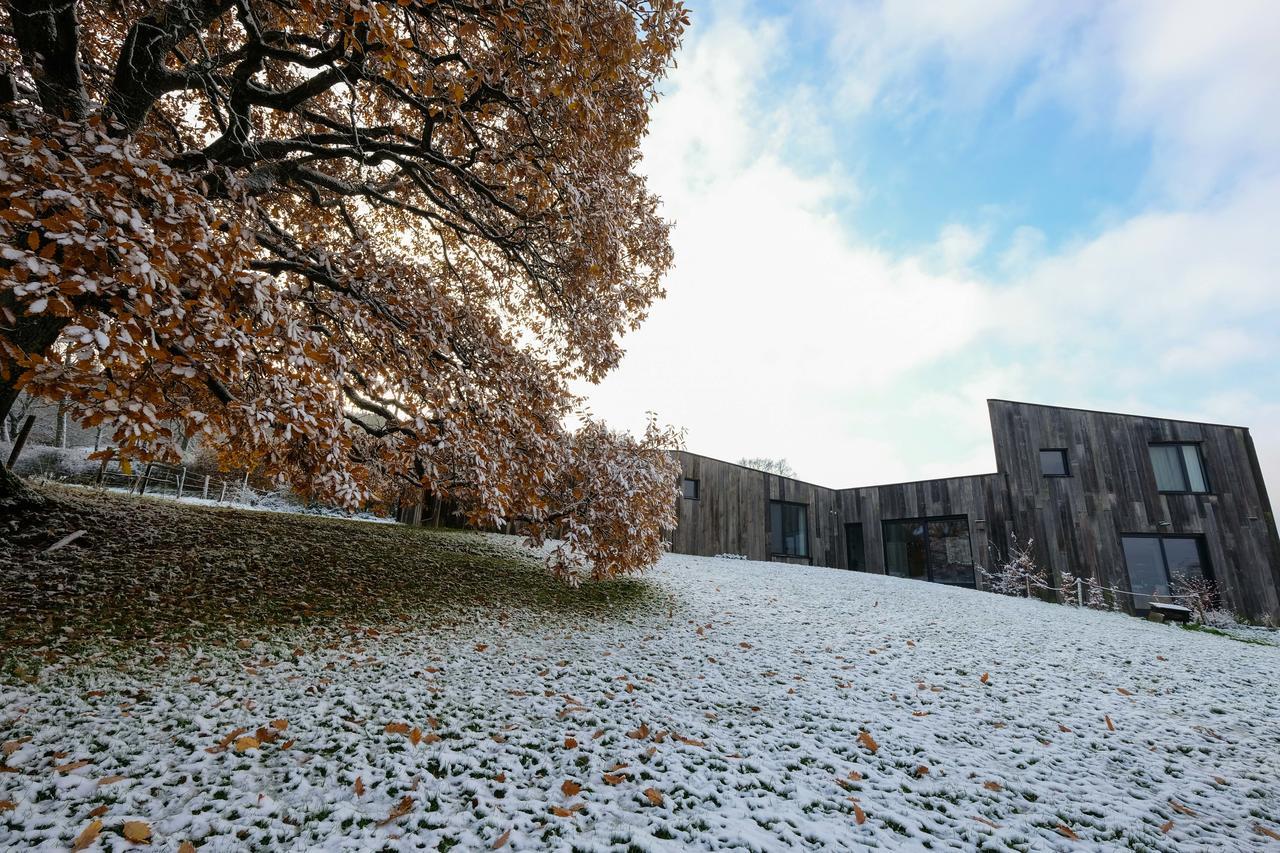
{"points": [[364, 246]]}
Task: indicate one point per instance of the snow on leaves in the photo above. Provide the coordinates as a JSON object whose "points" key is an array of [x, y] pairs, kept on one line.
{"points": [[361, 284]]}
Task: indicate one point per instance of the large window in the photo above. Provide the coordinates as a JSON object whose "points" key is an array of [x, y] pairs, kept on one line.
{"points": [[689, 488], [1178, 467], [1053, 463], [935, 549], [788, 529], [1157, 563]]}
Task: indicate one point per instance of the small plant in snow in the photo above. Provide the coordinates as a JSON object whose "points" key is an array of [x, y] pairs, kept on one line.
{"points": [[1198, 594], [1016, 573]]}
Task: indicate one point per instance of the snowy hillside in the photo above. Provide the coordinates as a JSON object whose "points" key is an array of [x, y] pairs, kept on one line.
{"points": [[745, 706]]}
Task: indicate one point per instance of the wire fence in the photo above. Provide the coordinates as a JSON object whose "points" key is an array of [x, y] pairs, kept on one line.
{"points": [[179, 482]]}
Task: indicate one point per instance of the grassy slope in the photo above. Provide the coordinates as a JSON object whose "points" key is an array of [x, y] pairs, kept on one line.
{"points": [[150, 570]]}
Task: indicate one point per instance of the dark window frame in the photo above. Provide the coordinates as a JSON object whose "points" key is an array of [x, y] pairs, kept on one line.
{"points": [[1202, 550], [1066, 461], [808, 552], [928, 568], [697, 488], [1182, 465]]}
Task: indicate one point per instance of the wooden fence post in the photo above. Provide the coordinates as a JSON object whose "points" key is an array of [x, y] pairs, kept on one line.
{"points": [[205, 494], [182, 479], [223, 496], [146, 477]]}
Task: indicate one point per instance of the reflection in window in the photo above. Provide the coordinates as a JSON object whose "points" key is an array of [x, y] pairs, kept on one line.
{"points": [[789, 529], [936, 549], [1157, 563], [1053, 463], [690, 489], [1178, 467]]}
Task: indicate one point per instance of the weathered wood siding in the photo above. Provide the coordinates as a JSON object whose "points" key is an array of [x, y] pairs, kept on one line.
{"points": [[1077, 521], [731, 515], [980, 498]]}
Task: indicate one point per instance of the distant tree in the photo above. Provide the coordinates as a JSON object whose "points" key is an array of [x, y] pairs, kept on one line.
{"points": [[1200, 595], [363, 246], [773, 466]]}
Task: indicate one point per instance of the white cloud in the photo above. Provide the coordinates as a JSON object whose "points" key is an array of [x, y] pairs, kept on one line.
{"points": [[786, 334]]}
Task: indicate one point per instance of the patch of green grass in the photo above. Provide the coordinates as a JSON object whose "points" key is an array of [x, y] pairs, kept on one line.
{"points": [[1208, 629], [150, 569]]}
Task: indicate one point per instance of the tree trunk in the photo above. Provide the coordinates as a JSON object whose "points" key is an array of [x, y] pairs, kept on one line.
{"points": [[34, 336]]}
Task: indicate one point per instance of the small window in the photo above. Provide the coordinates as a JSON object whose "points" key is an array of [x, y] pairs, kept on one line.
{"points": [[1178, 468], [1053, 463], [690, 489]]}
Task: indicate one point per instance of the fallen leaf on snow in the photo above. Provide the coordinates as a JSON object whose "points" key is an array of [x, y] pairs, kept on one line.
{"points": [[137, 831], [402, 808], [868, 741], [359, 786], [87, 836], [502, 840], [653, 795], [859, 816], [1166, 826], [72, 765], [570, 788], [1065, 830]]}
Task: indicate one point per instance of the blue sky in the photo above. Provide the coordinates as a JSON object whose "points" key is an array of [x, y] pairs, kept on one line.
{"points": [[887, 212]]}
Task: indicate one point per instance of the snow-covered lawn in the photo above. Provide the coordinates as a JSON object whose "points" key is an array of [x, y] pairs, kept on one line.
{"points": [[721, 704]]}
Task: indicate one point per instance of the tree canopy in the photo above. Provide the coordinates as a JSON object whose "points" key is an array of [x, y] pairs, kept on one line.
{"points": [[364, 246]]}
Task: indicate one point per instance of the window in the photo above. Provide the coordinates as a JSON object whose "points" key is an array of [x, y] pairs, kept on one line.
{"points": [[1053, 463], [1178, 468], [788, 529], [854, 545], [689, 488], [1157, 563], [934, 549]]}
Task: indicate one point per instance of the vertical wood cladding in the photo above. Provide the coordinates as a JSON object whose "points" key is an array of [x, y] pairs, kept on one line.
{"points": [[1076, 521]]}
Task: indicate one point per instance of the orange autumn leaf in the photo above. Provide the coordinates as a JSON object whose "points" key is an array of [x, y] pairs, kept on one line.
{"points": [[401, 809], [246, 743], [992, 786], [1066, 831], [502, 840], [99, 811], [359, 786], [1063, 728], [1166, 826], [7, 805], [1269, 833], [1180, 808], [87, 836], [71, 765], [614, 778], [415, 736], [1111, 727], [859, 816], [559, 811], [397, 729], [653, 795], [868, 741], [990, 823], [280, 724], [1123, 692], [137, 831], [111, 780], [570, 743], [186, 847], [640, 733], [235, 733], [570, 788], [985, 677]]}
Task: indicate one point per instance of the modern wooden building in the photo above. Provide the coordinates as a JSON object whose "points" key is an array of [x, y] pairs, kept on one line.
{"points": [[1133, 502]]}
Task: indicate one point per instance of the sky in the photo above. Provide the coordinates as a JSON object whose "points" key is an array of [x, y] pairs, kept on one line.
{"points": [[887, 212]]}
